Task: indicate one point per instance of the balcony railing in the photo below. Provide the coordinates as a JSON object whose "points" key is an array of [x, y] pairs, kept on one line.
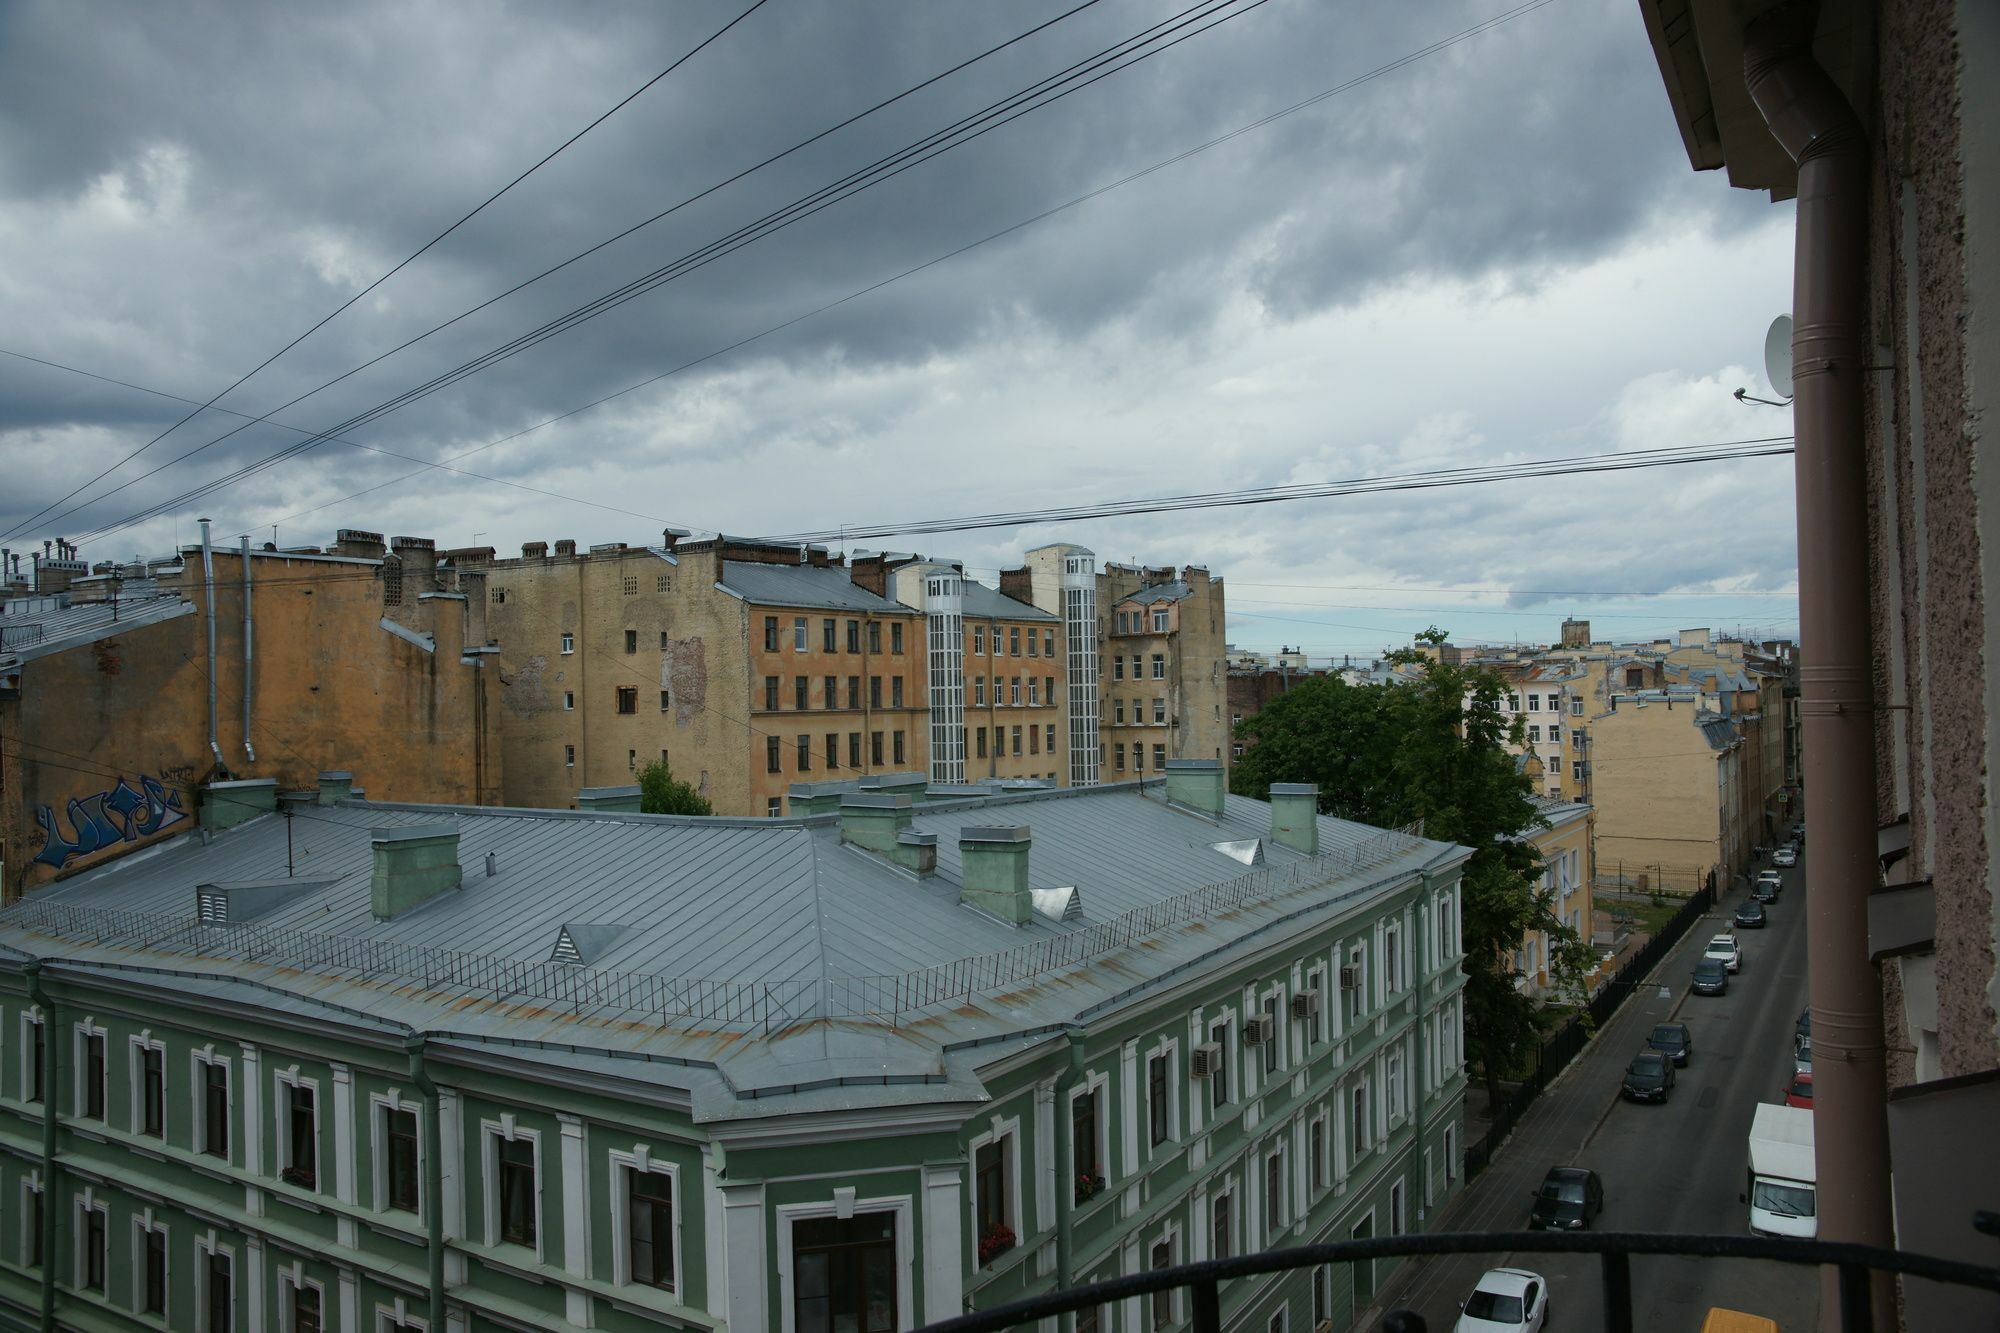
{"points": [[1613, 1248]]}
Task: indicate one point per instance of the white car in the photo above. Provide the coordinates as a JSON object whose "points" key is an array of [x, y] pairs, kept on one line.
{"points": [[1786, 857], [1506, 1300], [1723, 948]]}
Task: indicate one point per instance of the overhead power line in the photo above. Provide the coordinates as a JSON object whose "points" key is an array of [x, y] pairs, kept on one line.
{"points": [[1045, 92], [400, 266], [1727, 451]]}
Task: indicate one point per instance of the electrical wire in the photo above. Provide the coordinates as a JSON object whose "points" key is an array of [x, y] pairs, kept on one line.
{"points": [[400, 266]]}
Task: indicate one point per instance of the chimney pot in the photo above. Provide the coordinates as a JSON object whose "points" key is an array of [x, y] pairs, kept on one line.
{"points": [[413, 865], [1196, 784], [993, 871], [1295, 816]]}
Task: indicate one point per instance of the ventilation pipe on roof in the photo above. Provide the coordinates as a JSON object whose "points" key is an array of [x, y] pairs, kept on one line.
{"points": [[993, 871], [247, 652], [413, 865], [208, 598], [1196, 784], [1811, 119], [1295, 816]]}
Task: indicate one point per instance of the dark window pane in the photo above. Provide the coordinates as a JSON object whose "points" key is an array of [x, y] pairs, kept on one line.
{"points": [[517, 1191], [400, 1131], [651, 1220]]}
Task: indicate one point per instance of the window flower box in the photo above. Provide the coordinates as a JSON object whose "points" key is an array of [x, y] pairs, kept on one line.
{"points": [[998, 1239], [1088, 1186]]}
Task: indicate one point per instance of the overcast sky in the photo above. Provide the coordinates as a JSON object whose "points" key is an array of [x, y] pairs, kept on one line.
{"points": [[1497, 252]]}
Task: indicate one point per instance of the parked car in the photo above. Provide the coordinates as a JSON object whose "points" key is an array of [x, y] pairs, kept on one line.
{"points": [[1649, 1078], [1785, 857], [1767, 888], [1711, 977], [1802, 1030], [1506, 1300], [1773, 878], [1568, 1198], [1750, 915], [1802, 1056], [1798, 1092], [1672, 1040], [1799, 833], [1725, 949]]}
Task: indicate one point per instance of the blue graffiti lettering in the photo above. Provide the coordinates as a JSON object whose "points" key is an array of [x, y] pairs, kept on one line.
{"points": [[105, 818]]}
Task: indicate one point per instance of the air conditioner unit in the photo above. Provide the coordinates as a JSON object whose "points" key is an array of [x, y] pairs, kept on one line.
{"points": [[1306, 1003], [1350, 978], [1205, 1060]]}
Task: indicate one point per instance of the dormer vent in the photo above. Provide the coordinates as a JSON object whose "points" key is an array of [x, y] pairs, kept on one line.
{"points": [[1062, 904], [1249, 851]]}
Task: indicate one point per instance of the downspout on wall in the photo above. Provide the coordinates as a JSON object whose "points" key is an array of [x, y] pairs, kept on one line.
{"points": [[208, 598], [433, 1180], [51, 1083], [1808, 115], [247, 653], [1065, 1275]]}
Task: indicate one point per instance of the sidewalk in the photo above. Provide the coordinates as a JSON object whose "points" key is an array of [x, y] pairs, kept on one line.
{"points": [[1554, 1130]]}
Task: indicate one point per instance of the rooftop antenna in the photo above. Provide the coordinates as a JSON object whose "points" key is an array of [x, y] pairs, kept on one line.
{"points": [[1777, 364]]}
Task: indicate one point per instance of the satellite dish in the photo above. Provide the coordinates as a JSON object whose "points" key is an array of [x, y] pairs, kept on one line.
{"points": [[1778, 355]]}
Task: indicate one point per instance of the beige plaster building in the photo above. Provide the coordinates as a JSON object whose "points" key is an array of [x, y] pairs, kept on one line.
{"points": [[1568, 873], [1164, 690]]}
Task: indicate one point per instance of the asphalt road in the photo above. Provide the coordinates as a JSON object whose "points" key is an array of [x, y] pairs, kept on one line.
{"points": [[1677, 1167]]}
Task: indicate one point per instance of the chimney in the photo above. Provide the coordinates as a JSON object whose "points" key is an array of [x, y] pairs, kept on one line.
{"points": [[870, 572], [1018, 584], [355, 542], [879, 822], [227, 804], [619, 800], [1196, 784], [566, 546], [1694, 638], [911, 785], [335, 787], [534, 550], [1295, 816], [993, 873], [420, 566], [413, 865]]}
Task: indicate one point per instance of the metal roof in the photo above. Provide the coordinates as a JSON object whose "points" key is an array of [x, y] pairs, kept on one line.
{"points": [[767, 950], [33, 627], [984, 602], [1158, 592], [814, 587]]}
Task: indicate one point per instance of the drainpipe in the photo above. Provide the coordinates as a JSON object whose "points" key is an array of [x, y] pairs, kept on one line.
{"points": [[208, 590], [51, 1085], [1808, 115], [1066, 1174], [433, 1178], [247, 652]]}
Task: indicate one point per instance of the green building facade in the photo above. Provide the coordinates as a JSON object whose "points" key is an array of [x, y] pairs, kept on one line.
{"points": [[367, 1095]]}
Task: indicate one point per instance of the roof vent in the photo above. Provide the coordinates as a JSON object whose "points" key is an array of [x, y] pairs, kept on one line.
{"points": [[228, 904], [1063, 904], [1250, 851], [584, 945]]}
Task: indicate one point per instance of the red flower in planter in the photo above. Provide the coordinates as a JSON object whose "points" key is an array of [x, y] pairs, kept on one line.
{"points": [[997, 1241]]}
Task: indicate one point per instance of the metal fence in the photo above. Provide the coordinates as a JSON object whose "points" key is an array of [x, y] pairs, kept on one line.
{"points": [[1568, 1041], [769, 1005]]}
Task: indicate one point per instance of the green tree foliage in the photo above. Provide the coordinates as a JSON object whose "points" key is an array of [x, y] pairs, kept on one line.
{"points": [[660, 793], [1434, 748]]}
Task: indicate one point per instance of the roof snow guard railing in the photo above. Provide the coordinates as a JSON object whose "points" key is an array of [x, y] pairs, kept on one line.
{"points": [[769, 1005]]}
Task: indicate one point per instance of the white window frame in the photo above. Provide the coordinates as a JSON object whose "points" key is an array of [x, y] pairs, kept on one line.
{"points": [[801, 634], [1098, 1084], [1234, 1087], [569, 645], [1276, 1153], [1327, 1152], [378, 1146], [1576, 706], [1279, 1322], [1535, 734], [80, 1033], [206, 1055], [136, 1047], [1233, 1194], [31, 1184], [143, 1225], [491, 1134], [1393, 1083], [31, 1018], [1170, 1236], [1160, 621], [1361, 1141], [1399, 1211], [1392, 957], [901, 1205], [640, 1159], [1006, 1131], [1170, 1048], [292, 1278], [390, 1317], [569, 701], [205, 1248], [1450, 1155], [87, 1202], [1534, 703], [281, 1079]]}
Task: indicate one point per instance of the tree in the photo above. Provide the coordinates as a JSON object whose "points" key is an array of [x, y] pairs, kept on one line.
{"points": [[1435, 748], [661, 793]]}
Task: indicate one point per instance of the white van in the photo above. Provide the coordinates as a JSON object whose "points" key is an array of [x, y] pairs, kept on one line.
{"points": [[1782, 1193]]}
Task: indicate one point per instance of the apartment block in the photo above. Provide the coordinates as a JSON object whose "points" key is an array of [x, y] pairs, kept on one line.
{"points": [[480, 1069], [1164, 687]]}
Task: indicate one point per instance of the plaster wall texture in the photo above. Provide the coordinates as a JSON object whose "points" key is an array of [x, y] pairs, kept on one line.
{"points": [[1656, 791], [1196, 688]]}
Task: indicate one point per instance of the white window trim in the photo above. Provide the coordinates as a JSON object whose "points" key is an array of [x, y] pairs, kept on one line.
{"points": [[1170, 1047], [1392, 1081], [1280, 1320], [1317, 1029], [136, 1047], [1227, 1022], [569, 645], [999, 1130], [31, 1184], [196, 1059], [901, 1205], [1399, 1203], [88, 1202], [206, 1247], [292, 1278], [1276, 1153], [640, 1159], [143, 1225], [1360, 1145], [1234, 1194], [569, 701], [282, 1079], [31, 1018], [378, 1145], [491, 1132], [80, 1033], [389, 1317], [1171, 1235], [1327, 1149], [1100, 1085]]}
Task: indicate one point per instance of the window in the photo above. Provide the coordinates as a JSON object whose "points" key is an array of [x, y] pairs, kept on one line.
{"points": [[1048, 643], [666, 701], [1159, 758], [1277, 1324], [875, 748], [1034, 740], [1316, 1153], [1118, 712], [1218, 1082], [219, 1294], [1221, 1228], [805, 754], [1576, 770], [90, 1044], [31, 1209], [896, 636], [895, 691], [874, 691], [1014, 691], [663, 583], [1236, 751], [853, 693], [899, 747], [499, 596], [1322, 1289], [801, 694], [979, 691], [1396, 1219], [392, 581], [844, 1274], [628, 698], [1316, 1024], [874, 636], [854, 749], [799, 634], [631, 585], [1135, 666], [1085, 1163], [1392, 957], [1017, 741], [1159, 712], [1160, 621], [649, 1225], [301, 1141], [91, 1262], [1635, 678], [1275, 1034], [1534, 703], [1118, 668], [1159, 666], [979, 639], [1034, 644], [992, 1198], [399, 1148], [853, 636], [1138, 758], [214, 1126], [518, 1205], [1534, 735], [1576, 706], [1555, 733], [37, 1058], [1034, 692], [1163, 1301], [569, 756], [979, 735], [831, 697], [772, 761], [632, 638], [770, 634], [829, 631], [152, 1116], [1049, 690], [569, 701], [1118, 757], [1159, 1107], [1358, 1119], [770, 694], [568, 644], [1394, 1077], [1013, 641], [774, 806], [832, 750], [1049, 739], [153, 1278]]}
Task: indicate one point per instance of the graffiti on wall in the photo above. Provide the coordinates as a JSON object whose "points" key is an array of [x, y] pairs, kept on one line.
{"points": [[106, 818]]}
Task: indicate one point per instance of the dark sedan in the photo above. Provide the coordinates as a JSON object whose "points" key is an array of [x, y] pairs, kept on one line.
{"points": [[1649, 1078], [1672, 1040], [1711, 977], [1751, 915], [1569, 1197], [1764, 891]]}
